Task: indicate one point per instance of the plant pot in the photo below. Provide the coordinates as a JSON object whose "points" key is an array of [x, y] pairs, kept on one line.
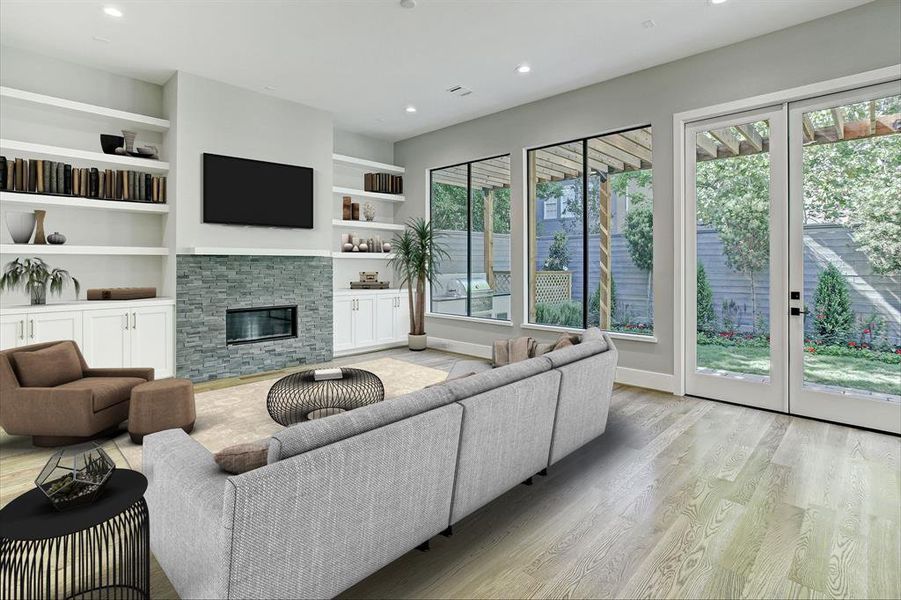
{"points": [[39, 294], [417, 342], [20, 226]]}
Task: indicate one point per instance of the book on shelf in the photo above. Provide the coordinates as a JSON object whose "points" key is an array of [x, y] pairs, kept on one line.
{"points": [[53, 177], [384, 183]]}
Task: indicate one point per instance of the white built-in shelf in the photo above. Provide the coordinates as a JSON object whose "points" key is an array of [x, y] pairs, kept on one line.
{"points": [[362, 193], [367, 225], [73, 250], [39, 200], [223, 251], [366, 164], [364, 255], [96, 159], [56, 305], [121, 118]]}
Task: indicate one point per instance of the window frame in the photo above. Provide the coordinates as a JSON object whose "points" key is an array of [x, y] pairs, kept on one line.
{"points": [[429, 187], [531, 217]]}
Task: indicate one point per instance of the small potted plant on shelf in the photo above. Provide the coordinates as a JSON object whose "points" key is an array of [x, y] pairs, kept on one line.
{"points": [[35, 276], [416, 252]]}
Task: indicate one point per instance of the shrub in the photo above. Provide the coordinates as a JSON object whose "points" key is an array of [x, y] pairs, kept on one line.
{"points": [[594, 304], [833, 317], [567, 314], [706, 315], [558, 253]]}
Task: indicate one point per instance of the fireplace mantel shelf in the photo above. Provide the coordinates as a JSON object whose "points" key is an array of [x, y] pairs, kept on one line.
{"points": [[214, 251]]}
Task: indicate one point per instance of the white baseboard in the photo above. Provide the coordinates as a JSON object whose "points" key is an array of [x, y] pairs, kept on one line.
{"points": [[637, 377], [373, 348], [646, 379], [478, 350]]}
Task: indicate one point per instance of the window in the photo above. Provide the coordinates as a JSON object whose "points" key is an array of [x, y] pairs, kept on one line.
{"points": [[550, 209], [470, 211], [591, 264]]}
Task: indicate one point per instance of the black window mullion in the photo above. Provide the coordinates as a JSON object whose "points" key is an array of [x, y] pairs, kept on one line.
{"points": [[585, 262], [468, 239]]}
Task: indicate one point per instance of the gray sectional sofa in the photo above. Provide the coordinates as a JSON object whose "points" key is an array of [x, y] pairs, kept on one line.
{"points": [[342, 497]]}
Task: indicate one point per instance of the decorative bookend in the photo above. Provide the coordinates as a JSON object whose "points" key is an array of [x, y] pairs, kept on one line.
{"points": [[355, 211], [347, 211], [75, 476]]}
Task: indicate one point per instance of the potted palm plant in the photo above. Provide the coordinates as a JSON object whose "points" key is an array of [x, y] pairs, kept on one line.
{"points": [[35, 277], [416, 252]]}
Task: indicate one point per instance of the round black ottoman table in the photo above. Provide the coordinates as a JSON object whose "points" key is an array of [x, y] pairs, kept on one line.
{"points": [[299, 397]]}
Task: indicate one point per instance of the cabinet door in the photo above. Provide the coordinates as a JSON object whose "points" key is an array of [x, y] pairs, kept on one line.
{"points": [[107, 338], [343, 324], [151, 339], [12, 330], [364, 322], [54, 326], [385, 309], [402, 318]]}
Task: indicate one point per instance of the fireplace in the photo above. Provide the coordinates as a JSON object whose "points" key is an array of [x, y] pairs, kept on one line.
{"points": [[265, 323]]}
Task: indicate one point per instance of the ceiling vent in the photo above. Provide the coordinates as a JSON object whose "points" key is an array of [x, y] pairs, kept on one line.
{"points": [[459, 90]]}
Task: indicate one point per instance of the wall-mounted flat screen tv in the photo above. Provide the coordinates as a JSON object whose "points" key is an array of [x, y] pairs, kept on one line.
{"points": [[241, 191]]}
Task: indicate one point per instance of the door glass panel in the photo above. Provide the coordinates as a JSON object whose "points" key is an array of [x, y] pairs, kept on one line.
{"points": [[450, 203], [851, 165], [733, 250]]}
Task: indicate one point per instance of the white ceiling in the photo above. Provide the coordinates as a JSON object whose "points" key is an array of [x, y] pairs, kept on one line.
{"points": [[365, 60]]}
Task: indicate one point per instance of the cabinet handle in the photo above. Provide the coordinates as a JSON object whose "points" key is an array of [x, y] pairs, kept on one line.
{"points": [[22, 329], [134, 320], [31, 328], [126, 321]]}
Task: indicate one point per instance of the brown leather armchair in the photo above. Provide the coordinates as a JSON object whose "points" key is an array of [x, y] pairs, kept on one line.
{"points": [[48, 391]]}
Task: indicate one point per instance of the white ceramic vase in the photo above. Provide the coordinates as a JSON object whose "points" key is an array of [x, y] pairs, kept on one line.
{"points": [[417, 342], [20, 226]]}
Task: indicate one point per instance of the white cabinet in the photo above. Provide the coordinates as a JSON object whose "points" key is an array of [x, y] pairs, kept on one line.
{"points": [[106, 338], [12, 330], [110, 334], [366, 319], [151, 339]]}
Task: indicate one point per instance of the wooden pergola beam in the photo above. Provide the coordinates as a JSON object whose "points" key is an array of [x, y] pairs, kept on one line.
{"points": [[639, 136], [706, 146], [839, 121], [751, 136], [611, 151], [809, 130], [728, 140], [626, 145]]}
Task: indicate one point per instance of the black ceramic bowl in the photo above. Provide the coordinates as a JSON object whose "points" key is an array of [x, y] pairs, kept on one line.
{"points": [[110, 142]]}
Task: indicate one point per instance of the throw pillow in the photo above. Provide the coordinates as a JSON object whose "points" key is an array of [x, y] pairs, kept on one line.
{"points": [[565, 341], [511, 351], [241, 458], [48, 367]]}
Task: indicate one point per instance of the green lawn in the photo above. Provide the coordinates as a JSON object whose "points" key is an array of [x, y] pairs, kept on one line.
{"points": [[841, 371]]}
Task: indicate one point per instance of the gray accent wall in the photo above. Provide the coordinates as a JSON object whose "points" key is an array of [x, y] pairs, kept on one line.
{"points": [[208, 285], [847, 43]]}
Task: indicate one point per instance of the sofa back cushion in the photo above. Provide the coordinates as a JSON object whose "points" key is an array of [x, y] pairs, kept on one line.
{"points": [[495, 378], [48, 367], [593, 342], [309, 435]]}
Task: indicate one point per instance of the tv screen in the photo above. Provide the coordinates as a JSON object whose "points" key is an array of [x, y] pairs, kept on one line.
{"points": [[240, 191]]}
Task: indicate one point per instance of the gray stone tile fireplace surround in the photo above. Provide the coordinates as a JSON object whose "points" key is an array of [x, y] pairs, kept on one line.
{"points": [[207, 286]]}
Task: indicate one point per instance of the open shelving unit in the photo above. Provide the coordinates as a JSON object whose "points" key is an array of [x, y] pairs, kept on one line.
{"points": [[25, 107], [368, 225], [345, 191]]}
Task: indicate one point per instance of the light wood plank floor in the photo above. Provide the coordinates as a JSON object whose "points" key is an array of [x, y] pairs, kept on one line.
{"points": [[679, 498]]}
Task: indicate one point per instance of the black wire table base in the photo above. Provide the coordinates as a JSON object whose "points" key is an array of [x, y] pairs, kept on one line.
{"points": [[300, 397], [107, 561]]}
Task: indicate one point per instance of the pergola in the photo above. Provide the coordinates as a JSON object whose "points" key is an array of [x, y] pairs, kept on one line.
{"points": [[631, 151]]}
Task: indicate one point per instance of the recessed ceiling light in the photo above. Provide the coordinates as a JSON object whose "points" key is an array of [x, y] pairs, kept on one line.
{"points": [[102, 40], [649, 24], [408, 3], [410, 109], [717, 1], [269, 87], [523, 69], [112, 11]]}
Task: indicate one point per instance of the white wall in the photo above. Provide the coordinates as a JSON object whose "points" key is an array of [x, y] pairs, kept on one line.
{"points": [[36, 73], [857, 40], [223, 119], [363, 146]]}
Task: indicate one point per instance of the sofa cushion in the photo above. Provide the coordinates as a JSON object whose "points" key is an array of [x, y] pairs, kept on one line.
{"points": [[48, 367], [465, 368], [495, 378], [108, 391], [241, 458], [513, 350], [309, 435]]}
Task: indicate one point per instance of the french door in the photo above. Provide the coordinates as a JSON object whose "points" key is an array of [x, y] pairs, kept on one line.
{"points": [[793, 268]]}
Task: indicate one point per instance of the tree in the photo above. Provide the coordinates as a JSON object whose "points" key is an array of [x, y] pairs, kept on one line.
{"points": [[639, 234], [833, 316], [706, 314], [733, 196], [558, 253], [449, 208]]}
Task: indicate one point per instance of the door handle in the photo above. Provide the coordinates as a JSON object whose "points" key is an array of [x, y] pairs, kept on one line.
{"points": [[797, 312], [126, 321], [22, 329], [31, 328], [134, 320]]}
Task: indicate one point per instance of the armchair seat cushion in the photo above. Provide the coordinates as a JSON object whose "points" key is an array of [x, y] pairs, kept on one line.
{"points": [[48, 367], [108, 391]]}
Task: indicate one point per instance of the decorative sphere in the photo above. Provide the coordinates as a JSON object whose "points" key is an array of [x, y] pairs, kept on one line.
{"points": [[364, 247], [386, 246], [348, 247]]}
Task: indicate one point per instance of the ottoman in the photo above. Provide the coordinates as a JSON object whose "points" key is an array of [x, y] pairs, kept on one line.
{"points": [[159, 405]]}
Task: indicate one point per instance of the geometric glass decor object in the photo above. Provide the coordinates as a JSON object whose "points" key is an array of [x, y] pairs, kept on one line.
{"points": [[75, 476]]}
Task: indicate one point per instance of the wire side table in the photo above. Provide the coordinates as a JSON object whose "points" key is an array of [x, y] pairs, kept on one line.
{"points": [[299, 397], [100, 550]]}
